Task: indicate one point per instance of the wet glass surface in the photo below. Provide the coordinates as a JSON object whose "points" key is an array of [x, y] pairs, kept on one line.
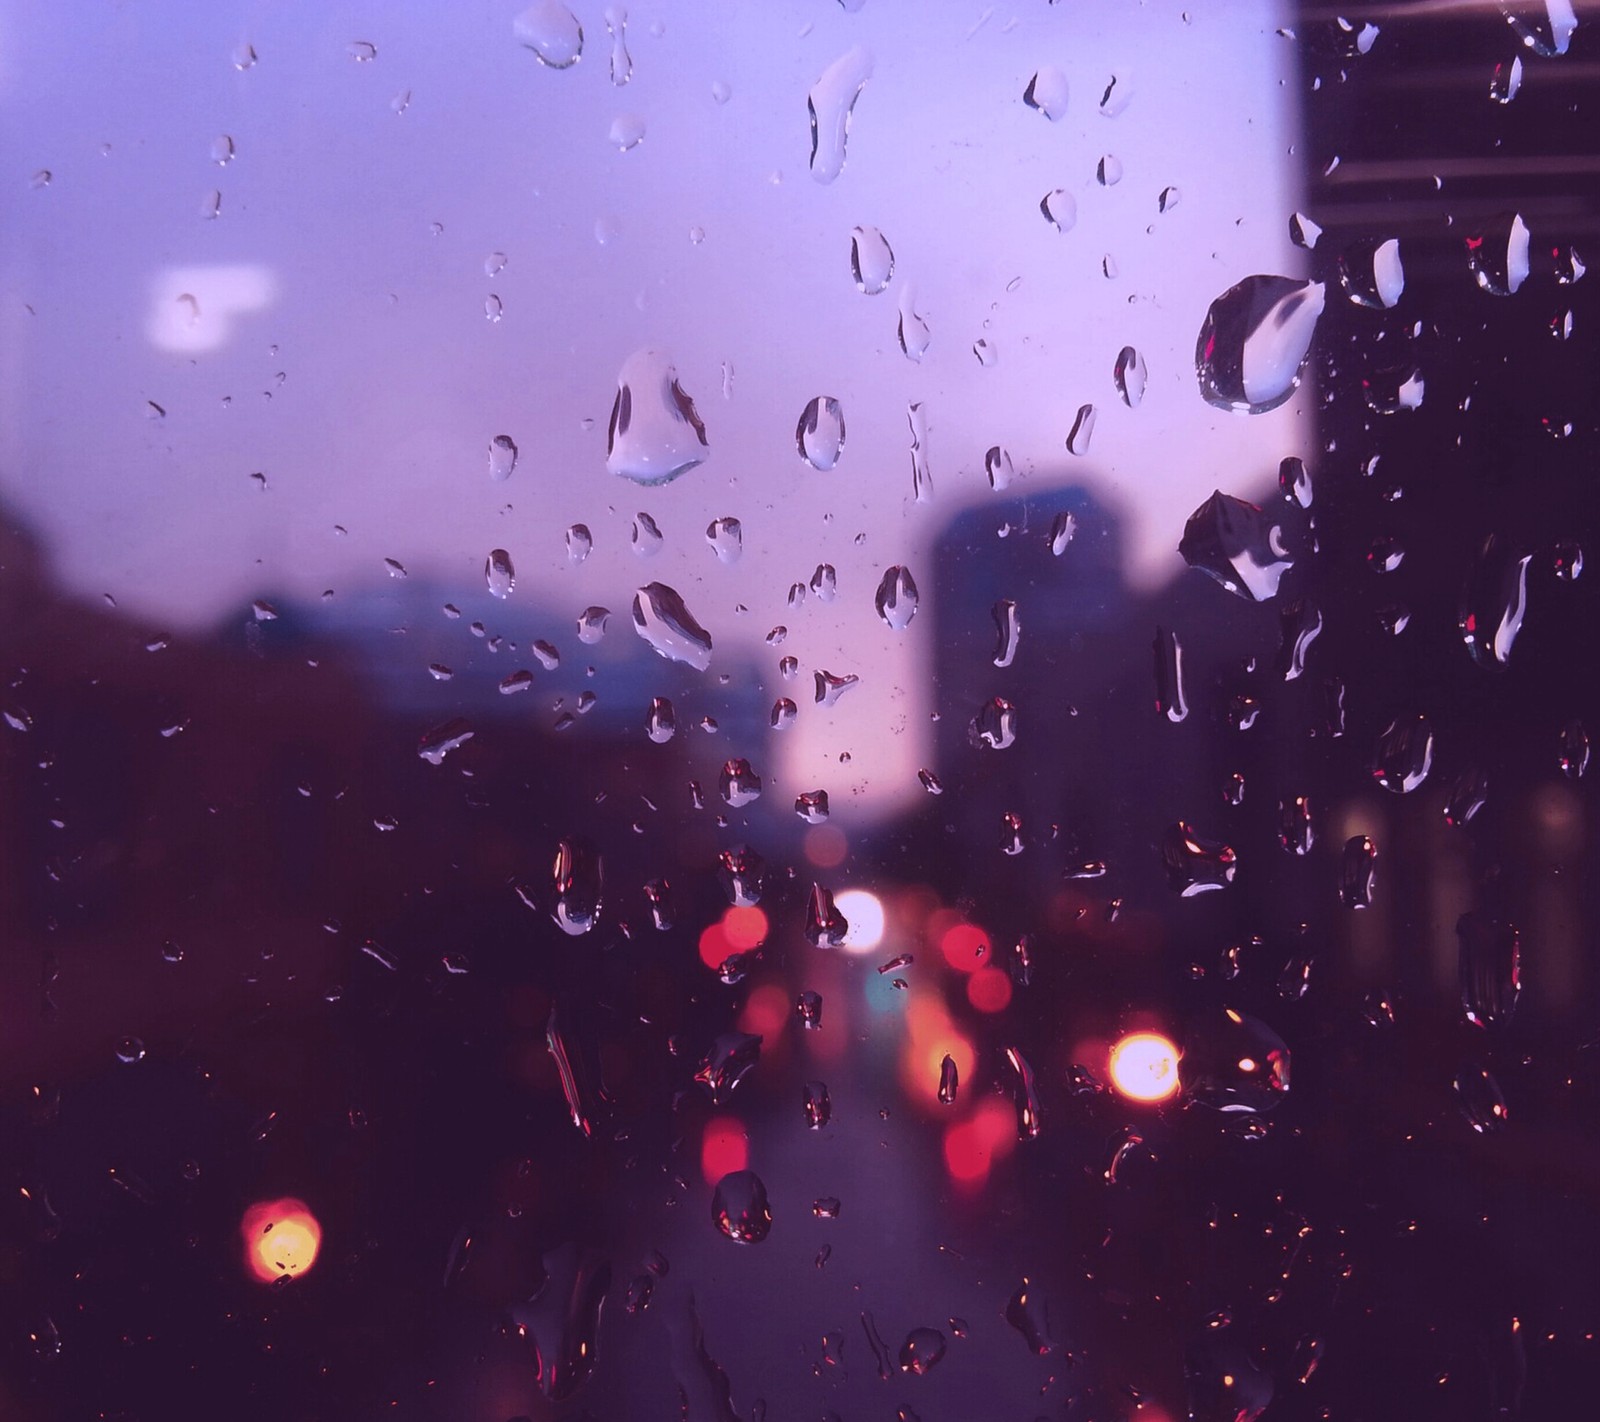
{"points": [[798, 711]]}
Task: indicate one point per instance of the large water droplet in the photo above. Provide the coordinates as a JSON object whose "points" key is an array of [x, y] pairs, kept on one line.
{"points": [[820, 434], [1404, 754], [1029, 1313], [923, 1348], [647, 537], [812, 806], [871, 259], [1060, 209], [499, 574], [1545, 28], [1494, 601], [1239, 545], [831, 102], [1371, 272], [1254, 342], [829, 688], [655, 432], [579, 879], [825, 926], [660, 617], [742, 873], [1195, 865], [1234, 1063], [562, 1320], [896, 598], [592, 624], [1481, 1100], [438, 742], [1047, 92], [739, 1207], [1498, 254], [1489, 963], [738, 784], [552, 32]]}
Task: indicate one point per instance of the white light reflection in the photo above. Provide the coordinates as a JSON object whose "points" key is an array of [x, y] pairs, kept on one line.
{"points": [[864, 911]]}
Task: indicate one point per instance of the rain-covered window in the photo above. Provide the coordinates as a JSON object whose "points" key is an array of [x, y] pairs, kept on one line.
{"points": [[769, 710]]}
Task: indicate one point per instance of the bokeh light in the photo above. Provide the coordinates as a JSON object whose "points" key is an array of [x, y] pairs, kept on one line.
{"points": [[724, 1148], [965, 946], [972, 1147], [766, 1012], [989, 990], [1144, 1067], [281, 1239], [864, 912]]}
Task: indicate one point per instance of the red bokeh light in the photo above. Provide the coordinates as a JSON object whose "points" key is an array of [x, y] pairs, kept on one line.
{"points": [[989, 990], [724, 1148], [965, 947]]}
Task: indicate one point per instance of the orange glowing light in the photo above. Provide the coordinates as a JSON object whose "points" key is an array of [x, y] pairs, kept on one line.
{"points": [[766, 1012], [965, 947], [1144, 1067], [931, 1037], [989, 990], [826, 846], [744, 928], [724, 1148], [281, 1239]]}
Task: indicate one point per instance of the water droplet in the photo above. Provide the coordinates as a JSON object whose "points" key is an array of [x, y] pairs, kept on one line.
{"points": [[998, 467], [738, 783], [896, 598], [627, 131], [1029, 1115], [129, 1050], [1168, 199], [1131, 377], [211, 206], [808, 1008], [985, 351], [578, 880], [1567, 560], [1394, 618], [1060, 209], [831, 103], [825, 926], [1573, 750], [1371, 272], [829, 688], [222, 150], [1170, 700], [655, 432], [1195, 865], [742, 873], [1082, 430], [1546, 34], [1237, 544], [1009, 630], [784, 712], [994, 725], [1126, 1143], [646, 536], [1481, 1100], [552, 32], [930, 782], [361, 51], [662, 619], [579, 542], [438, 742], [499, 574], [1404, 754], [1493, 602], [244, 57], [817, 1104], [1489, 963], [1062, 530], [1255, 340], [1295, 481], [820, 434], [1047, 92], [921, 475], [730, 1059], [1358, 866], [1108, 171], [1469, 791], [1295, 831], [912, 331], [726, 537], [1028, 1312], [871, 259], [923, 1348], [825, 582], [592, 624], [502, 458], [1498, 254], [621, 61], [1303, 232], [949, 1081], [812, 806], [739, 1207], [1235, 1063], [548, 657]]}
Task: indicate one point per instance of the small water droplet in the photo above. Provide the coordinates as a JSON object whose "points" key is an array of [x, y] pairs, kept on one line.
{"points": [[812, 806], [897, 597], [627, 131], [1233, 1063], [1131, 377], [439, 741], [730, 1059], [994, 725], [1303, 232], [1493, 602], [1060, 209], [662, 619], [831, 103], [621, 61], [1481, 1100], [808, 1007], [578, 879], [1573, 750], [949, 1081], [592, 624], [502, 458], [921, 475], [579, 542], [1082, 430], [825, 926], [819, 436], [1371, 272], [1404, 754], [1108, 171], [1062, 530], [998, 467], [499, 574], [871, 259], [739, 1207], [1195, 865], [1498, 254], [646, 537], [829, 688], [1047, 92], [129, 1050], [1358, 866], [817, 1104], [361, 51], [921, 1351], [1168, 199], [1489, 962], [661, 721], [738, 784], [784, 712], [912, 332], [493, 308]]}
